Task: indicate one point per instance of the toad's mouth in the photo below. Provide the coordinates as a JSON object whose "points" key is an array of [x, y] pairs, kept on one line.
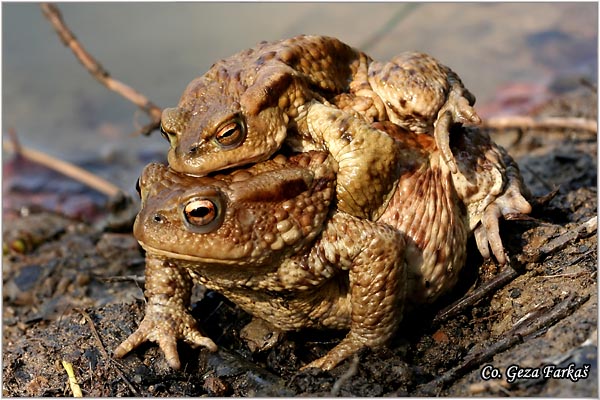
{"points": [[283, 154], [223, 163], [154, 251]]}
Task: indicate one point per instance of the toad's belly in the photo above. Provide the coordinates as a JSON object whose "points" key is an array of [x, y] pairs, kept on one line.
{"points": [[325, 306], [426, 209]]}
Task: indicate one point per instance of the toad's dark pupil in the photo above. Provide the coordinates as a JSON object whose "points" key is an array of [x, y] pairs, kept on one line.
{"points": [[201, 212], [228, 133]]}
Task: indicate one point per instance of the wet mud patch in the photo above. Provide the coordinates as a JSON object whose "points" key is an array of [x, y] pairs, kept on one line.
{"points": [[72, 292]]}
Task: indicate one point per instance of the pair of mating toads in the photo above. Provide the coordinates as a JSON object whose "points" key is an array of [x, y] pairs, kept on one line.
{"points": [[363, 189]]}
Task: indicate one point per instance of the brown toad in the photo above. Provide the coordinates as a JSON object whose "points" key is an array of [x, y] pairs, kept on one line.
{"points": [[246, 106], [351, 276], [249, 237]]}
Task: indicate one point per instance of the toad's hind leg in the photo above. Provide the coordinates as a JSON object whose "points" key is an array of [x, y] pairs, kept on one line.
{"points": [[423, 95], [368, 159], [512, 200], [456, 110], [374, 256]]}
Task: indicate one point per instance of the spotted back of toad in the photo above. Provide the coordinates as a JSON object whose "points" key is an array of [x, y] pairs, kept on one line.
{"points": [[250, 104]]}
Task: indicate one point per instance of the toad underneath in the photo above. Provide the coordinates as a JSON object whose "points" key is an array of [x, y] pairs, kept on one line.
{"points": [[248, 105], [269, 239]]}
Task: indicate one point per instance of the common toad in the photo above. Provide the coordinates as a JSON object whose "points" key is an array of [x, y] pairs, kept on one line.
{"points": [[245, 244], [356, 275], [246, 106]]}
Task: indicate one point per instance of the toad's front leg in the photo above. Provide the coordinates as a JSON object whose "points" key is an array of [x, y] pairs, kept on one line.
{"points": [[367, 158], [374, 256], [168, 290]]}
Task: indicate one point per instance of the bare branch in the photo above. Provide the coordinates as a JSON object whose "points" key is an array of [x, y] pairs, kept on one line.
{"points": [[518, 121], [67, 37], [350, 372], [536, 323], [114, 364], [63, 167], [507, 274]]}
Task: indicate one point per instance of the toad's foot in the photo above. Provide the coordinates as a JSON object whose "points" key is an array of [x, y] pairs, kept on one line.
{"points": [[511, 201], [487, 233], [490, 185], [457, 110], [165, 325], [364, 103], [168, 290], [346, 348]]}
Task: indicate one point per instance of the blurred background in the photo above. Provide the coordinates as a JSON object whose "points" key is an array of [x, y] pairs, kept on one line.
{"points": [[506, 53]]}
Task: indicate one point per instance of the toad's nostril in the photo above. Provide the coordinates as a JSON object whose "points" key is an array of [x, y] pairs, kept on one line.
{"points": [[158, 218]]}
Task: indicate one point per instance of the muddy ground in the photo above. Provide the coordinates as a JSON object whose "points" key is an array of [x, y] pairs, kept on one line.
{"points": [[72, 291]]}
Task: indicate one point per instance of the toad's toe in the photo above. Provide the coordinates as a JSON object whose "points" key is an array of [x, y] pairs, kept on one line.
{"points": [[168, 344], [349, 346], [196, 339], [133, 341], [165, 326], [490, 223]]}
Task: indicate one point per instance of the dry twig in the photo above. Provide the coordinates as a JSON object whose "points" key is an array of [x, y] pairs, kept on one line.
{"points": [[350, 372], [536, 323], [67, 37], [137, 279], [72, 379], [581, 231], [119, 368], [63, 167], [517, 121], [545, 183], [401, 14], [507, 274], [569, 275]]}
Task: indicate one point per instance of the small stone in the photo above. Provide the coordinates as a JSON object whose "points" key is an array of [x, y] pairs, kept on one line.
{"points": [[515, 293], [441, 337]]}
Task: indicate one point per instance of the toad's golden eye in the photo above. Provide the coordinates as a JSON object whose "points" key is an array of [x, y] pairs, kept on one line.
{"points": [[200, 212], [231, 134], [202, 215]]}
